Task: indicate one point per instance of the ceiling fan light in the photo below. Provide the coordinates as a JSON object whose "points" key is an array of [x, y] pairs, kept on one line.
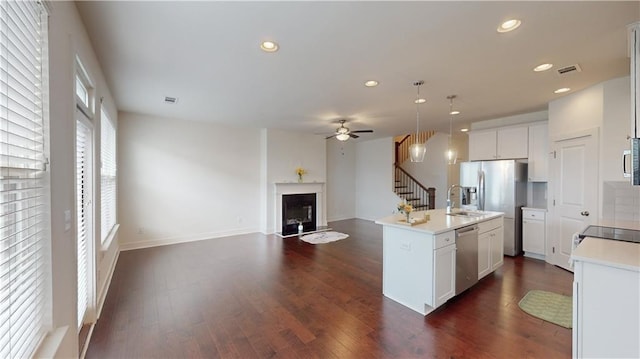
{"points": [[342, 130], [417, 151], [342, 137]]}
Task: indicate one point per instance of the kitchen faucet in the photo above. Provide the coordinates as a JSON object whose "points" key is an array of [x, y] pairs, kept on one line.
{"points": [[449, 204]]}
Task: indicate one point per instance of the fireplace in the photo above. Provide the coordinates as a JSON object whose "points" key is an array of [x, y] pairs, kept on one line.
{"points": [[298, 209], [282, 189]]}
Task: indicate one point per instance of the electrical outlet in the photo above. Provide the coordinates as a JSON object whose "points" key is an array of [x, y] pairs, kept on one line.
{"points": [[240, 219], [140, 230], [406, 246]]}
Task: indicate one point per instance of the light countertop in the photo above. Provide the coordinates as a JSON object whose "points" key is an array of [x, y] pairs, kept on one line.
{"points": [[534, 209], [619, 254], [439, 221]]}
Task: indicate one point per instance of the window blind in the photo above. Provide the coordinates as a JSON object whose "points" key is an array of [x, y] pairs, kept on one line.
{"points": [[83, 198], [107, 176], [24, 229]]}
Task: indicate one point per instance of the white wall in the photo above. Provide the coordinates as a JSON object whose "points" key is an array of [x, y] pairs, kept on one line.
{"points": [[184, 180], [374, 179], [341, 180], [284, 152], [67, 38], [616, 126], [433, 172], [576, 112]]}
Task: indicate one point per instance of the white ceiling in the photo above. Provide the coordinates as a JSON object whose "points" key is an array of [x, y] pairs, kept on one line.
{"points": [[207, 54]]}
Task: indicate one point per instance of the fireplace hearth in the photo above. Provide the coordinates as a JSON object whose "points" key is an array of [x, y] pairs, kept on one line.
{"points": [[298, 209]]}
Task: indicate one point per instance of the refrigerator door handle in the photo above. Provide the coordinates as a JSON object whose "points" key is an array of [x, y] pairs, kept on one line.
{"points": [[481, 190]]}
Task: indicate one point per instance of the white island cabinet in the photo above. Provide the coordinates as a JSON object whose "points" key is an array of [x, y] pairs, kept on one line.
{"points": [[419, 262], [606, 299]]}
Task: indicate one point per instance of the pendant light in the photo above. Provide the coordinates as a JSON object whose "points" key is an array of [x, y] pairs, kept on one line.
{"points": [[452, 154], [417, 150]]}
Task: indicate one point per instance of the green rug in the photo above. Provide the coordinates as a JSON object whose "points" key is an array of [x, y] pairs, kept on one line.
{"points": [[552, 307]]}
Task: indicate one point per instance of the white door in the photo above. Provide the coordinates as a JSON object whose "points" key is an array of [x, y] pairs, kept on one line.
{"points": [[84, 210], [574, 202]]}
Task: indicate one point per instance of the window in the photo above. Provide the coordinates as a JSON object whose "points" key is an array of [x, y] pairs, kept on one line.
{"points": [[107, 175], [24, 194], [82, 93]]}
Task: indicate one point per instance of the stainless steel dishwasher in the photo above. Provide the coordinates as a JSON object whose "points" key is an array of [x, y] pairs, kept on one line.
{"points": [[466, 257]]}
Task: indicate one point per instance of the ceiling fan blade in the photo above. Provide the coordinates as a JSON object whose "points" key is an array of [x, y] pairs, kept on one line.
{"points": [[362, 131], [332, 136], [352, 135]]}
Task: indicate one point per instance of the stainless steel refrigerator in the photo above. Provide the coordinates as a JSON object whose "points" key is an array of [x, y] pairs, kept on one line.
{"points": [[500, 186]]}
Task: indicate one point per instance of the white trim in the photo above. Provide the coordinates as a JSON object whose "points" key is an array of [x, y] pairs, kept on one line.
{"points": [[51, 343], [184, 239], [341, 218], [112, 234]]}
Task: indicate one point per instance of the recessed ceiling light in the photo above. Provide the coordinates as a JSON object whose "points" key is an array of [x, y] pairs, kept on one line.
{"points": [[509, 25], [371, 83], [454, 112], [562, 90], [269, 46], [464, 129], [420, 100], [542, 67]]}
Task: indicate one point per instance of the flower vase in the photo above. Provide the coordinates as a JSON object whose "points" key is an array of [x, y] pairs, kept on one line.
{"points": [[408, 214], [299, 178]]}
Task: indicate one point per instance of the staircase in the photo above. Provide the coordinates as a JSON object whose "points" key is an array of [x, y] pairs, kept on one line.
{"points": [[406, 186]]}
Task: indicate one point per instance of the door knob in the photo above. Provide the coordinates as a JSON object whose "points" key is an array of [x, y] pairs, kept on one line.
{"points": [[584, 213]]}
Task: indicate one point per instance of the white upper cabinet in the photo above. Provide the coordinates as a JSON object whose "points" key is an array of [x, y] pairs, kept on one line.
{"points": [[538, 153], [499, 144]]}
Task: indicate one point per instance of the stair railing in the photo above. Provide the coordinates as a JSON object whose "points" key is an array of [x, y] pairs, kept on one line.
{"points": [[411, 190]]}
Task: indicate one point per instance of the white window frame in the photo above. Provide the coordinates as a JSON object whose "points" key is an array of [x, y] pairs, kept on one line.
{"points": [[25, 235], [108, 178], [86, 303]]}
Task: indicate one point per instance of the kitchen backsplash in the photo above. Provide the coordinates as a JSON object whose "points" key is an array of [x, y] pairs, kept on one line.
{"points": [[621, 202], [537, 195]]}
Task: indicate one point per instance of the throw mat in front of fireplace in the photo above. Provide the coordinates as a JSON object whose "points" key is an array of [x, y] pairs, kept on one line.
{"points": [[323, 237]]}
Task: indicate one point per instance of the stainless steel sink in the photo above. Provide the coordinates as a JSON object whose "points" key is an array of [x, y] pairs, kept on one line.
{"points": [[466, 214]]}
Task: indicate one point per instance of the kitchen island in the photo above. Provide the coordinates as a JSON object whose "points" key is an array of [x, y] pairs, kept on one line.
{"points": [[419, 260]]}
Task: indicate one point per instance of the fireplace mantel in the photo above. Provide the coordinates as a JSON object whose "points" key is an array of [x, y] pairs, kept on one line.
{"points": [[282, 188]]}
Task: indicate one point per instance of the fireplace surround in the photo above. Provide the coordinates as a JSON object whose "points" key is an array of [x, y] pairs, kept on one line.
{"points": [[307, 188]]}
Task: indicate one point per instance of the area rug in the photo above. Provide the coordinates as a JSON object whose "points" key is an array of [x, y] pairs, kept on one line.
{"points": [[323, 237], [552, 307]]}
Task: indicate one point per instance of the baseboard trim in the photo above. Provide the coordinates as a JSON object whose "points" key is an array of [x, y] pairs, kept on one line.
{"points": [[176, 240], [340, 219]]}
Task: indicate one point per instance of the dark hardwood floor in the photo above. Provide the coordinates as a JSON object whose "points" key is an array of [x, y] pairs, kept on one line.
{"points": [[257, 296]]}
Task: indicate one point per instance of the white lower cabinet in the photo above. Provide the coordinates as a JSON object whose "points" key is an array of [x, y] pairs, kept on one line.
{"points": [[534, 232], [497, 247], [606, 312], [444, 261], [490, 246]]}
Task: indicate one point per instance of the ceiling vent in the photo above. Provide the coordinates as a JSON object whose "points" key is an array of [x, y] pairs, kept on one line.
{"points": [[170, 100], [569, 69]]}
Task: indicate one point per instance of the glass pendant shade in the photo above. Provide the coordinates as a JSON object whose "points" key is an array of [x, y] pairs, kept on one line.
{"points": [[417, 151], [342, 137], [452, 156]]}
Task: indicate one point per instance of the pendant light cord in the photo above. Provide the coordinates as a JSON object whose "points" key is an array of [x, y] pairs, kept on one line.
{"points": [[418, 84]]}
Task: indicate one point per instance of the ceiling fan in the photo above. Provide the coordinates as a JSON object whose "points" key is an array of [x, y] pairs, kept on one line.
{"points": [[344, 133]]}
